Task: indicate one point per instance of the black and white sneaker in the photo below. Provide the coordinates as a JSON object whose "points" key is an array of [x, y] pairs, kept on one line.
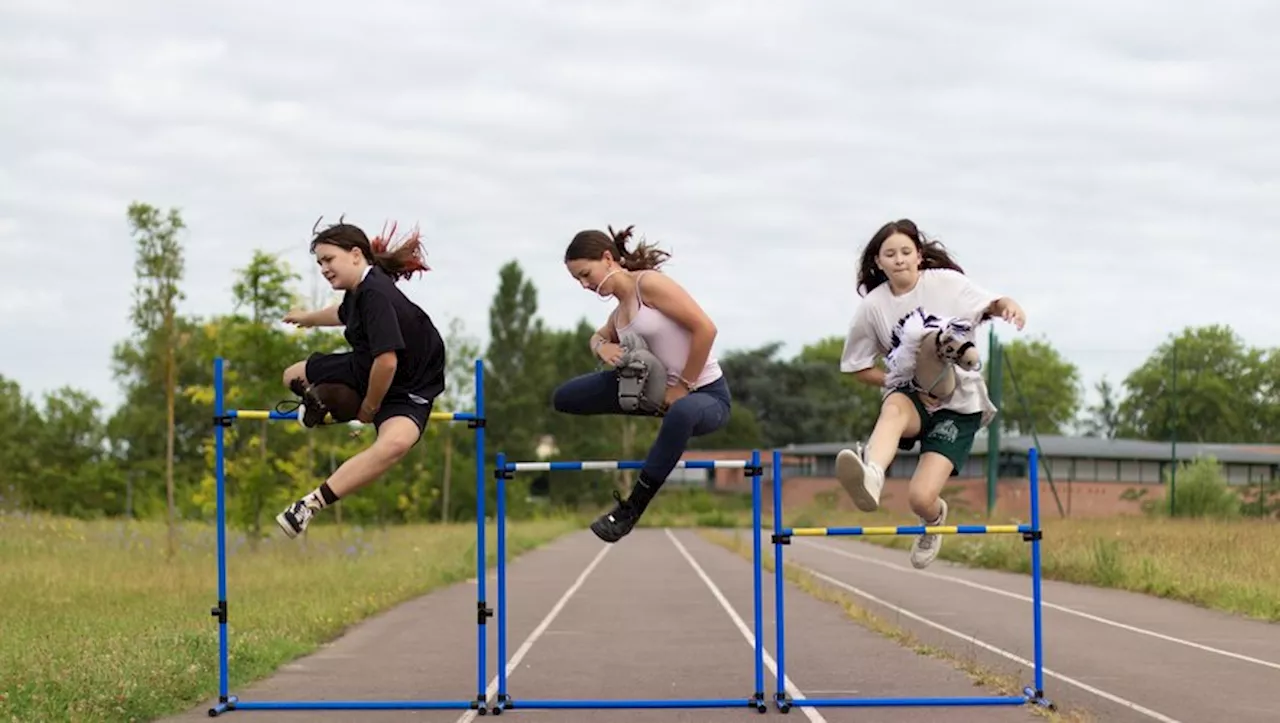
{"points": [[295, 518], [616, 524]]}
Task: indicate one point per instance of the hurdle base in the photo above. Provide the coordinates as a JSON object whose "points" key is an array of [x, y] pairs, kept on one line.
{"points": [[785, 704], [506, 703], [233, 703], [225, 704], [1037, 697]]}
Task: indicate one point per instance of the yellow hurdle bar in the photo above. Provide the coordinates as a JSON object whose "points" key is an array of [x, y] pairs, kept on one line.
{"points": [[908, 530], [273, 415]]}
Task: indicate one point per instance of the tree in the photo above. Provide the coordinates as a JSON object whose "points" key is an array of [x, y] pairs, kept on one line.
{"points": [[159, 270], [459, 395], [20, 422], [1204, 385], [260, 350], [1041, 388], [864, 401], [516, 363], [1103, 418], [795, 401]]}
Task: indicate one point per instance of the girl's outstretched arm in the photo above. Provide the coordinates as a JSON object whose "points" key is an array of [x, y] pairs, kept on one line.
{"points": [[327, 316]]}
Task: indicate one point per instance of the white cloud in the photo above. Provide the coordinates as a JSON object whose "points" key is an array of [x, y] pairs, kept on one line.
{"points": [[1113, 167]]}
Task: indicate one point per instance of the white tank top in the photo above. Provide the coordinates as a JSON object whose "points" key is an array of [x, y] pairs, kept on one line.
{"points": [[668, 340]]}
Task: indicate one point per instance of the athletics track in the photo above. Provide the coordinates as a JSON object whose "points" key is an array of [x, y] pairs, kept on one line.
{"points": [[667, 614]]}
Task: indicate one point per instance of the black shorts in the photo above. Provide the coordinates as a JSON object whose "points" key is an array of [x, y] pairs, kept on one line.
{"points": [[340, 368]]}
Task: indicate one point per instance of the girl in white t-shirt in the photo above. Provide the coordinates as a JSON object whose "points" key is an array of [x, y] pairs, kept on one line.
{"points": [[901, 275]]}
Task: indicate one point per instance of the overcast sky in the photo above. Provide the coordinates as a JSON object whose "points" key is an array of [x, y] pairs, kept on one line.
{"points": [[1112, 165]]}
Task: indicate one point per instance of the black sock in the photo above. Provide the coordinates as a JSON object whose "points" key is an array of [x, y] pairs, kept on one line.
{"points": [[642, 492], [327, 494], [322, 496]]}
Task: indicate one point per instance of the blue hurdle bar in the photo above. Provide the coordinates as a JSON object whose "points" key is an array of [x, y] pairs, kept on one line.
{"points": [[504, 470], [223, 418], [1032, 533]]}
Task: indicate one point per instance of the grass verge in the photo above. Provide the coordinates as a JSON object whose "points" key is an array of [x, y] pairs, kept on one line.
{"points": [[998, 683], [98, 626]]}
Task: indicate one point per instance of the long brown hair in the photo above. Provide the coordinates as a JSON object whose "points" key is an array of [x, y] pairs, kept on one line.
{"points": [[591, 245], [401, 259], [932, 253]]}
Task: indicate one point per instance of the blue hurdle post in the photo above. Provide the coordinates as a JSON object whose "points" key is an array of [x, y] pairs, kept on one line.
{"points": [[222, 419], [503, 471], [1030, 532]]}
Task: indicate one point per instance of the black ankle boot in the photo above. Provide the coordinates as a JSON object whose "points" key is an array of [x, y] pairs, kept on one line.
{"points": [[618, 523]]}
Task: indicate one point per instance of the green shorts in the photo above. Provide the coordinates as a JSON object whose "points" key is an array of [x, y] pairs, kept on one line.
{"points": [[946, 432]]}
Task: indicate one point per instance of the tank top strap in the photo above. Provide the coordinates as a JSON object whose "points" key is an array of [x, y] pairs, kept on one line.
{"points": [[639, 296]]}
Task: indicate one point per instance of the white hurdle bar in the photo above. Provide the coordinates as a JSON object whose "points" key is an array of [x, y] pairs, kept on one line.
{"points": [[624, 464]]}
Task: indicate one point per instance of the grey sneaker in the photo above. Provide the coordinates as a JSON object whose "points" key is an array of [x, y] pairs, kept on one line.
{"points": [[925, 548], [861, 480]]}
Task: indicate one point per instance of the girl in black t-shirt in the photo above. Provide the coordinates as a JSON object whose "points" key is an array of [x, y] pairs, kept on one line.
{"points": [[395, 366]]}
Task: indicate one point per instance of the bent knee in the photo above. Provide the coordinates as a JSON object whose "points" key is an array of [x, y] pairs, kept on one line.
{"points": [[561, 399], [395, 440], [295, 371], [921, 503]]}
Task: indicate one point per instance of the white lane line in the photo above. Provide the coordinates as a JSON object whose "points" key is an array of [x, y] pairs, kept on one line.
{"points": [[987, 646], [813, 715], [1047, 605], [523, 650]]}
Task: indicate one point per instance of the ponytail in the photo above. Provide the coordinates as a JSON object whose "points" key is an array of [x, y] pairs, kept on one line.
{"points": [[644, 256], [401, 260]]}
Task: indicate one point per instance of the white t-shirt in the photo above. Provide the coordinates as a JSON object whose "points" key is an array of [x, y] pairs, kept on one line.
{"points": [[940, 292]]}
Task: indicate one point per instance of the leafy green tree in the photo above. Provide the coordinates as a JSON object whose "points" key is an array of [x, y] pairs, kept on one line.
{"points": [[1042, 390], [1204, 385], [1103, 418], [159, 268]]}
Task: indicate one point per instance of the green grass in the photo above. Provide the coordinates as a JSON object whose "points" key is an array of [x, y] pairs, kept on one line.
{"points": [[98, 626]]}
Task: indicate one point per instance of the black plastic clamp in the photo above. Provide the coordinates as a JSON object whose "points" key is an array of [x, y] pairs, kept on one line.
{"points": [[474, 423], [784, 703], [780, 539], [1032, 535], [219, 611], [223, 420], [483, 613]]}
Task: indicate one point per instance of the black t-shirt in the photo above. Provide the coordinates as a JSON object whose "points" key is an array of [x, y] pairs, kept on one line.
{"points": [[380, 318]]}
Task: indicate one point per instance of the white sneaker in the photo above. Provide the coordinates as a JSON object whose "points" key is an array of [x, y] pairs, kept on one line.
{"points": [[862, 481], [925, 549]]}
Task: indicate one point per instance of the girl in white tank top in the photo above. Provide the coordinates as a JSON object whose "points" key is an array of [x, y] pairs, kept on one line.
{"points": [[675, 329]]}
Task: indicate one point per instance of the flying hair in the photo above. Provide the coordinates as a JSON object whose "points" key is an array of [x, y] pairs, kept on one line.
{"points": [[400, 258], [592, 245]]}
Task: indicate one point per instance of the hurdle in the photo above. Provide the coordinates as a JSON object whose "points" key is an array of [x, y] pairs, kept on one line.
{"points": [[504, 470], [222, 419], [1030, 533]]}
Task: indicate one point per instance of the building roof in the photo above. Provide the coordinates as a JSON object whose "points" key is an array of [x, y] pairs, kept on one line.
{"points": [[1091, 448]]}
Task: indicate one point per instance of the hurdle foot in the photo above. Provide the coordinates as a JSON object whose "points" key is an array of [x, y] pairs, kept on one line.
{"points": [[757, 701], [1036, 697], [480, 705], [225, 704], [784, 703], [502, 703]]}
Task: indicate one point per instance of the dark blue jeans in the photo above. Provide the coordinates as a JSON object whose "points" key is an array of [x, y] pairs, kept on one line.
{"points": [[693, 415]]}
